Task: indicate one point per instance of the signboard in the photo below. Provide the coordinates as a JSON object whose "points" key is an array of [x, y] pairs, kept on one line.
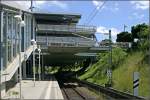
{"points": [[135, 83]]}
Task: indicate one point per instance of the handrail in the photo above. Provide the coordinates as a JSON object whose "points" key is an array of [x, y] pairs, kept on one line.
{"points": [[63, 41]]}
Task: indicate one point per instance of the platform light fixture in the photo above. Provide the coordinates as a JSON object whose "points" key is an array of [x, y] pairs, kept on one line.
{"points": [[21, 23], [33, 43], [39, 69], [19, 17]]}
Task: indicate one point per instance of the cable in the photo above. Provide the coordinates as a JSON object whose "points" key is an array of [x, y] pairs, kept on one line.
{"points": [[90, 14], [96, 13], [82, 36], [100, 7]]}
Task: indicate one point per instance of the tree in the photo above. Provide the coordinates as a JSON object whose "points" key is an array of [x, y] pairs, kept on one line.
{"points": [[139, 30], [124, 37]]}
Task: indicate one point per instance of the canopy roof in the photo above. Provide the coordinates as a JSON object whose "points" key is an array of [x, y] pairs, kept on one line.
{"points": [[57, 19]]}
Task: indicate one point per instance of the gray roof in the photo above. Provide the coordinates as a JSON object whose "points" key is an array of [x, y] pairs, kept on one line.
{"points": [[57, 18]]}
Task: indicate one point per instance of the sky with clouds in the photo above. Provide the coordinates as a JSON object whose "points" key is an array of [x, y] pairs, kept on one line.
{"points": [[112, 15]]}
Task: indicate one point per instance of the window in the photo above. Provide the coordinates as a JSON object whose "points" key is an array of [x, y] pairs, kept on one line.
{"points": [[9, 37], [14, 31]]}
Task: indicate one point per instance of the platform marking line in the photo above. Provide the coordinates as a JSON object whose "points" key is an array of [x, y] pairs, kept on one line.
{"points": [[47, 96]]}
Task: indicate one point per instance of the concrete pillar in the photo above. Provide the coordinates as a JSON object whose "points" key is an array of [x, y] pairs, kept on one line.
{"points": [[2, 85], [29, 67], [24, 69], [16, 77], [44, 72], [42, 68], [3, 90]]}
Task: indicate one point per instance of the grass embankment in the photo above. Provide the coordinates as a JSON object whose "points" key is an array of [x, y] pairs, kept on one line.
{"points": [[123, 67]]}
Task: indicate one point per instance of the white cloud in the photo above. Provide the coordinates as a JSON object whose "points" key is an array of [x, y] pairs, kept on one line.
{"points": [[116, 9], [116, 4], [102, 29], [140, 4], [136, 16], [38, 3], [97, 4], [25, 5], [59, 4], [114, 31], [113, 8]]}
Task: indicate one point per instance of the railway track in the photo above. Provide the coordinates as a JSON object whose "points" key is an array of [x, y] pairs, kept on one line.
{"points": [[73, 91], [109, 91], [72, 94]]}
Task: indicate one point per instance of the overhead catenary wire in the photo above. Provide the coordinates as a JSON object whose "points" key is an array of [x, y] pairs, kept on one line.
{"points": [[95, 12], [91, 14], [81, 36]]}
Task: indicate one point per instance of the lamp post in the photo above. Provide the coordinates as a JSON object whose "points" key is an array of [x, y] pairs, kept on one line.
{"points": [[124, 27], [33, 43], [39, 69], [110, 59], [109, 70], [20, 24]]}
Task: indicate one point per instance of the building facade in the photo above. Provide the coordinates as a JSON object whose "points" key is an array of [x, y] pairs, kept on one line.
{"points": [[12, 37]]}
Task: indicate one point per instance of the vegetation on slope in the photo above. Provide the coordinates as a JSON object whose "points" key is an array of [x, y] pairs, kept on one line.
{"points": [[125, 63], [123, 67], [123, 75], [97, 73]]}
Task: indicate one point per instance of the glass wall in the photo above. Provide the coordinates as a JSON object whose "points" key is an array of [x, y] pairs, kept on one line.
{"points": [[27, 31], [11, 35], [1, 41], [5, 38], [14, 31]]}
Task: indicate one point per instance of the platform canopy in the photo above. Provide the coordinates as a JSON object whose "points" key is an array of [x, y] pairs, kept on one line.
{"points": [[61, 56]]}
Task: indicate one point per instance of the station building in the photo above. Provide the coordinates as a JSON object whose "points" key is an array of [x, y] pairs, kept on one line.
{"points": [[61, 39]]}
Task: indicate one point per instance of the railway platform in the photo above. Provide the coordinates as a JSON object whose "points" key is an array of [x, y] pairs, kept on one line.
{"points": [[48, 89]]}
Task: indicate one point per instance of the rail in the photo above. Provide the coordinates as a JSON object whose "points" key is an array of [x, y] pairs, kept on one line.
{"points": [[110, 91], [67, 28]]}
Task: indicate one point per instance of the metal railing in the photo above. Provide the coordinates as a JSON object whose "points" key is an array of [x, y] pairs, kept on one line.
{"points": [[67, 28], [65, 41], [66, 44]]}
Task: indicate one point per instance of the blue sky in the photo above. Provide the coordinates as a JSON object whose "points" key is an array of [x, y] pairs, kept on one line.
{"points": [[113, 15]]}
